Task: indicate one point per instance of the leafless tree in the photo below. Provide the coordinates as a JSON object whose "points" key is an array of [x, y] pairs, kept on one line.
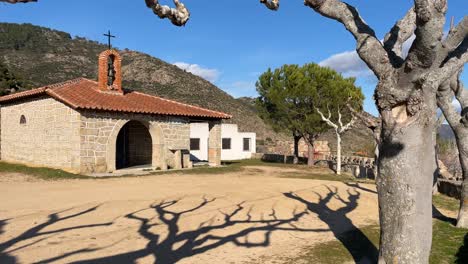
{"points": [[339, 128], [406, 99], [458, 121]]}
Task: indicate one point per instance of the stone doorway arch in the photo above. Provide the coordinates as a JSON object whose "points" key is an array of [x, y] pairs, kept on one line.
{"points": [[156, 141], [134, 146]]}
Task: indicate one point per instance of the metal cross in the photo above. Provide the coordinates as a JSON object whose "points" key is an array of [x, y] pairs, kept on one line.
{"points": [[109, 36]]}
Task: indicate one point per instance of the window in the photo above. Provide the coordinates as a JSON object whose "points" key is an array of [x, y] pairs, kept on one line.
{"points": [[23, 120], [246, 144], [194, 144], [226, 143]]}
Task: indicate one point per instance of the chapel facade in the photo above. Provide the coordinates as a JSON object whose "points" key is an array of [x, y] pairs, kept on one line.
{"points": [[98, 127]]}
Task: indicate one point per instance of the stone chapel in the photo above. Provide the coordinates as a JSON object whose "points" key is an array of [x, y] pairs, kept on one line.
{"points": [[89, 127]]}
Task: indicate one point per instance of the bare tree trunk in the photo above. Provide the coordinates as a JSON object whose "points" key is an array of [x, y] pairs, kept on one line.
{"points": [[458, 121], [338, 153], [296, 147], [405, 170], [310, 152], [462, 220]]}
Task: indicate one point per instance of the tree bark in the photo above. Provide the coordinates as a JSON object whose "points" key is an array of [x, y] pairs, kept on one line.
{"points": [[296, 147], [462, 141], [406, 167], [310, 152], [459, 124], [338, 153]]}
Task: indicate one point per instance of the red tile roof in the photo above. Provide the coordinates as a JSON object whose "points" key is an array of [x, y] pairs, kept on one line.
{"points": [[82, 93]]}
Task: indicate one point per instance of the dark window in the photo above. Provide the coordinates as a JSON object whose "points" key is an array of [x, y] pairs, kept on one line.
{"points": [[246, 144], [194, 144], [226, 143], [23, 120]]}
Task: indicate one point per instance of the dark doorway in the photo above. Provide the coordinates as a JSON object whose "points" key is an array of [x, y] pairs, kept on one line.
{"points": [[134, 146]]}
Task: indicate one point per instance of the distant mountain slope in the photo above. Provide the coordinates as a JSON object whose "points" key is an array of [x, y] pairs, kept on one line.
{"points": [[446, 132], [41, 56], [44, 56]]}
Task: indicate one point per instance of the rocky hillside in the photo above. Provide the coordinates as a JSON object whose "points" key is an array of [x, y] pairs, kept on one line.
{"points": [[39, 56], [43, 56]]}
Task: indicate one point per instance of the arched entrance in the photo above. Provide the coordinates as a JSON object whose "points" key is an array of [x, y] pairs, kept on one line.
{"points": [[134, 146]]}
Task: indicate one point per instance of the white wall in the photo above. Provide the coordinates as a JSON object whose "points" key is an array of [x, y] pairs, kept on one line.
{"points": [[236, 152], [201, 130]]}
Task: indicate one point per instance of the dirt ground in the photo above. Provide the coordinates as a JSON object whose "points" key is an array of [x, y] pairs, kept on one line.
{"points": [[252, 216]]}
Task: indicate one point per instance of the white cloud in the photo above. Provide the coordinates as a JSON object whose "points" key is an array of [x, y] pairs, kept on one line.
{"points": [[210, 75], [407, 45], [456, 104], [349, 64]]}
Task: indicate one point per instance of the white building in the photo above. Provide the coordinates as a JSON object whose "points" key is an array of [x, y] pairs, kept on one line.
{"points": [[235, 145]]}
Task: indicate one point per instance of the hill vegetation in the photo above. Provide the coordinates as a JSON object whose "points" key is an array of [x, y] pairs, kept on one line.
{"points": [[47, 56]]}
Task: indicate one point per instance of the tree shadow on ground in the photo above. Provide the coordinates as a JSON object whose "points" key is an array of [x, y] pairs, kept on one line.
{"points": [[436, 214], [37, 233], [359, 246], [358, 186], [177, 244], [462, 254]]}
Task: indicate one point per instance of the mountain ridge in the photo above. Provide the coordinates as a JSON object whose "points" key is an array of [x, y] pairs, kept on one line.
{"points": [[48, 56]]}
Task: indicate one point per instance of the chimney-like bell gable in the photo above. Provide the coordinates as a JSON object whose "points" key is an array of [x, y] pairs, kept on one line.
{"points": [[110, 71]]}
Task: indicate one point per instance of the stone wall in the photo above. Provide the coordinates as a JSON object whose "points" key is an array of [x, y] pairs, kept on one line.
{"points": [[214, 143], [99, 131], [450, 188], [49, 137], [286, 147]]}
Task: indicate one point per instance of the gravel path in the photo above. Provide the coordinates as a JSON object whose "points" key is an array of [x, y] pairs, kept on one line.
{"points": [[252, 216]]}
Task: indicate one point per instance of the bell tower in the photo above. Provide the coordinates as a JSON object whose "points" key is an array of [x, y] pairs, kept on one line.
{"points": [[110, 69]]}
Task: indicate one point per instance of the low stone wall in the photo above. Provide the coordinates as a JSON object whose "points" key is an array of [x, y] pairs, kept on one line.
{"points": [[449, 188], [278, 158]]}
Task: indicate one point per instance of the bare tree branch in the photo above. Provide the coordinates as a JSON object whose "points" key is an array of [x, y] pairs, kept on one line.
{"points": [[327, 120], [369, 48], [460, 92], [178, 16], [400, 33], [430, 21], [271, 4], [454, 63], [373, 123], [444, 101], [339, 118], [348, 126], [454, 38]]}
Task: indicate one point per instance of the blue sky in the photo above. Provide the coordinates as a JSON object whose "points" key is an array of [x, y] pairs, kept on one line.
{"points": [[226, 42]]}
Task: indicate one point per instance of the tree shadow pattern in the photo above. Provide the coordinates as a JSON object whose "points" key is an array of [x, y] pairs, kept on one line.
{"points": [[359, 246], [37, 234], [177, 245], [360, 187], [436, 214], [462, 254]]}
